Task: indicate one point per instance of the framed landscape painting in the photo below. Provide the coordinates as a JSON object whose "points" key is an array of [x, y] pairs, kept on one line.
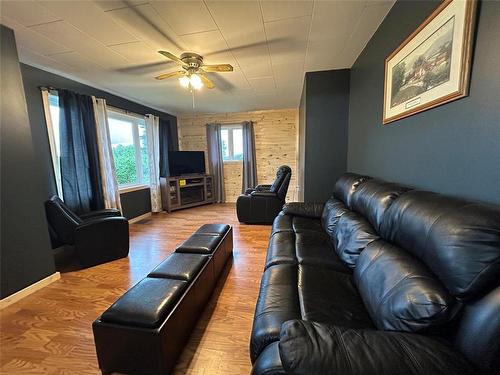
{"points": [[432, 66]]}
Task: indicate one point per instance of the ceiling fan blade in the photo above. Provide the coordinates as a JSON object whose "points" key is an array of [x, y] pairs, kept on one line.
{"points": [[218, 68], [208, 84], [177, 74], [171, 56]]}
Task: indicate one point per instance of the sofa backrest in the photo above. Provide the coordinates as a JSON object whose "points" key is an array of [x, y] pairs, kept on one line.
{"points": [[62, 220], [422, 248]]}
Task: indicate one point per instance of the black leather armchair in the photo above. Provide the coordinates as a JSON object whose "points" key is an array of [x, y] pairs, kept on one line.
{"points": [[98, 236], [261, 204]]}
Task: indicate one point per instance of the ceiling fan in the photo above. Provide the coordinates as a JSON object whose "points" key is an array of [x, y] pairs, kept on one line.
{"points": [[193, 74]]}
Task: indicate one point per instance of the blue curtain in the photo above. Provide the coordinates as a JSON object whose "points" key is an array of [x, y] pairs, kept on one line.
{"points": [[80, 176], [249, 175]]}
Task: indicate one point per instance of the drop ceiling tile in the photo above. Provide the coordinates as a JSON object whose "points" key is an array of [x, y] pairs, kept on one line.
{"points": [[335, 19], [185, 17], [77, 61], [108, 5], [144, 22], [288, 74], [290, 39], [33, 41], [29, 57], [27, 13], [368, 23], [276, 10], [260, 68], [76, 40], [89, 17], [263, 85], [138, 52], [239, 21], [205, 42], [331, 27]]}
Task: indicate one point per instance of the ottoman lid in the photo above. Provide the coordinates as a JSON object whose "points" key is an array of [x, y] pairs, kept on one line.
{"points": [[146, 304], [220, 229], [200, 244], [180, 266]]}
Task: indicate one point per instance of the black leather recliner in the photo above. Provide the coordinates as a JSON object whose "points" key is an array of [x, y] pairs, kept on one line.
{"points": [[261, 204], [98, 236]]}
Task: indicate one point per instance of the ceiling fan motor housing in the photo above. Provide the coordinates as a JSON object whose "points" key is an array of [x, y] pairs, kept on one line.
{"points": [[193, 60]]}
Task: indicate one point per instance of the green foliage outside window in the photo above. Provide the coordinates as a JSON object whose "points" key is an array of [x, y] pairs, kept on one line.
{"points": [[125, 164]]}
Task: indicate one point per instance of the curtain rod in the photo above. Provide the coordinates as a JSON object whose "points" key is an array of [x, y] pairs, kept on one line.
{"points": [[116, 109]]}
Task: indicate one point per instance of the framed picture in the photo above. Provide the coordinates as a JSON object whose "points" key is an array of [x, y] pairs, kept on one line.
{"points": [[432, 66]]}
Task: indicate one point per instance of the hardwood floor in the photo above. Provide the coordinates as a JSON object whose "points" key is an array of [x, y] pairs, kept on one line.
{"points": [[49, 332]]}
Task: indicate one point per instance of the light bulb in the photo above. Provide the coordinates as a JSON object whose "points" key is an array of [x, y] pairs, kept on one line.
{"points": [[196, 82], [184, 81]]}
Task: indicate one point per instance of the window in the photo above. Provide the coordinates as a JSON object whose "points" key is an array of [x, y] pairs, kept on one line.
{"points": [[232, 142], [129, 144]]}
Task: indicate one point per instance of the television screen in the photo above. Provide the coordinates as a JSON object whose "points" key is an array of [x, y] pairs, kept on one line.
{"points": [[186, 162]]}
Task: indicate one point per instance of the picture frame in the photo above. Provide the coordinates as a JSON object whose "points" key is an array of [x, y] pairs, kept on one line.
{"points": [[432, 66]]}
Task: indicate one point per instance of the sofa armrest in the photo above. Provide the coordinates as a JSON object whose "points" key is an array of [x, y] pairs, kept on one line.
{"points": [[263, 194], [101, 240], [321, 349], [313, 210], [108, 212]]}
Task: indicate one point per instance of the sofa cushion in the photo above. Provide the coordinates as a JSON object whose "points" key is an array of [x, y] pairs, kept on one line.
{"points": [[269, 362], [400, 292], [146, 304], [346, 185], [458, 240], [308, 348], [301, 224], [318, 251], [180, 266], [352, 234], [329, 296], [278, 302], [200, 244], [373, 197], [332, 211], [213, 229], [282, 223], [281, 249]]}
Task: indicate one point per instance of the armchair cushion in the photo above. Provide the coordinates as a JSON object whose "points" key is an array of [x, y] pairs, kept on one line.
{"points": [[321, 349], [312, 210]]}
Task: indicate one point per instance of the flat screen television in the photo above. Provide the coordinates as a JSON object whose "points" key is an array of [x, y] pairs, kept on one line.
{"points": [[186, 162]]}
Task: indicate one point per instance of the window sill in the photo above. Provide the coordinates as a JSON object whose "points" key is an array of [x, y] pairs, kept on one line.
{"points": [[128, 189], [232, 161]]}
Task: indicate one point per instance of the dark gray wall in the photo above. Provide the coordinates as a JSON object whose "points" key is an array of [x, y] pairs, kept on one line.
{"points": [[452, 149], [326, 119], [26, 256], [34, 78]]}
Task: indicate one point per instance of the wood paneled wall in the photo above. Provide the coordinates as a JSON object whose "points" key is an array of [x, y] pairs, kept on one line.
{"points": [[275, 143]]}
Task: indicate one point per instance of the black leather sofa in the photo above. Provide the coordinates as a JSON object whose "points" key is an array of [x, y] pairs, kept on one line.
{"points": [[98, 236], [145, 330], [261, 204], [380, 279]]}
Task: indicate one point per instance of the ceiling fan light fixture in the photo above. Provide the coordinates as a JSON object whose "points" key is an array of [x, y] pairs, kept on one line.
{"points": [[195, 81], [184, 81]]}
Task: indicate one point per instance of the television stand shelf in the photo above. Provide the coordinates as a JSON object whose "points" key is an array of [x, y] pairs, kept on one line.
{"points": [[186, 191]]}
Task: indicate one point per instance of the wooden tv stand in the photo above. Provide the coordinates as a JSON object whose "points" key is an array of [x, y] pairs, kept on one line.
{"points": [[186, 191]]}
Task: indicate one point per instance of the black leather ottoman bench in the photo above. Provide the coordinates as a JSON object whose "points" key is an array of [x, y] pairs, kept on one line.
{"points": [[145, 330]]}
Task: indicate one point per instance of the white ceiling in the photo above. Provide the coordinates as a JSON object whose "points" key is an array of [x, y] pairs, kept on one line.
{"points": [[113, 45]]}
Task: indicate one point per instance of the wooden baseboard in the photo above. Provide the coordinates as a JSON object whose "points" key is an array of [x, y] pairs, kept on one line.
{"points": [[7, 301], [139, 218]]}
